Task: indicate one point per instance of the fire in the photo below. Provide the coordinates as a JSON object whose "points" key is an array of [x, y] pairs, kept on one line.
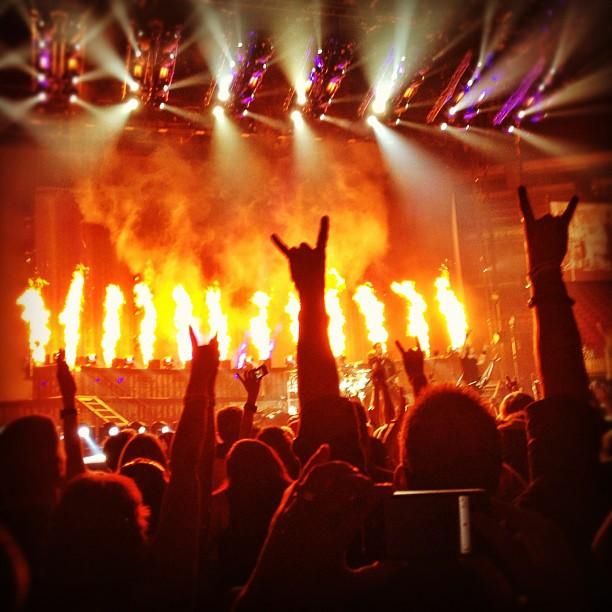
{"points": [[217, 321], [416, 325], [260, 328], [70, 317], [143, 298], [337, 320], [373, 311], [111, 326], [452, 310], [183, 318], [36, 315], [293, 310]]}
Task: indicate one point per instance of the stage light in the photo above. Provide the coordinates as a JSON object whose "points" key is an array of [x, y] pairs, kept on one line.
{"points": [[521, 114], [73, 98], [245, 112], [444, 126], [322, 117], [162, 105], [239, 45], [42, 96], [372, 120], [142, 429], [138, 53], [84, 432], [398, 121], [113, 430], [134, 86], [40, 78], [217, 111], [467, 127], [297, 118], [132, 104], [510, 129], [166, 88], [225, 82], [451, 111]]}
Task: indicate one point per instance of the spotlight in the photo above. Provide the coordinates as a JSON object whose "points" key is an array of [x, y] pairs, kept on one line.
{"points": [[138, 53], [296, 116], [40, 77], [444, 126], [84, 432], [245, 112], [73, 98], [113, 430], [162, 105], [371, 120], [397, 121], [452, 110], [75, 80], [467, 127], [165, 429], [42, 96], [132, 104], [510, 129], [521, 114], [217, 111], [225, 82], [239, 45], [134, 86], [166, 87], [322, 117], [142, 429]]}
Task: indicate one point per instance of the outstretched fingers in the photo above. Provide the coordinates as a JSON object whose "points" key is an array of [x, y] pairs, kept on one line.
{"points": [[323, 233], [400, 348], [193, 338], [280, 245], [525, 205], [570, 210]]}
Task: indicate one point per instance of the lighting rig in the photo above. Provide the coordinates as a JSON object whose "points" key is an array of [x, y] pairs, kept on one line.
{"points": [[237, 84], [57, 56], [313, 97], [151, 62]]}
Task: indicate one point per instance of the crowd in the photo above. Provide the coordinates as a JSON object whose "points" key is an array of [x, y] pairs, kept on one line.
{"points": [[324, 515]]}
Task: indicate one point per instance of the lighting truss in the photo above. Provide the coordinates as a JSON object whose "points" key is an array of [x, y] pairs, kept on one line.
{"points": [[57, 55], [151, 63]]}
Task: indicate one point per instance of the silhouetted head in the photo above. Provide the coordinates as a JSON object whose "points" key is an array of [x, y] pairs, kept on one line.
{"points": [[280, 441], [228, 424], [97, 540], [31, 463], [330, 420], [114, 445], [152, 480], [145, 446], [252, 464], [450, 440], [514, 402]]}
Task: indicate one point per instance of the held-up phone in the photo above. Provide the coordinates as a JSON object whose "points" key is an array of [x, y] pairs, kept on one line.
{"points": [[430, 524], [261, 371]]}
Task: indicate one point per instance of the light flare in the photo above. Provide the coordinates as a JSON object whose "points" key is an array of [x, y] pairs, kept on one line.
{"points": [[36, 315], [183, 318], [337, 320], [452, 310], [416, 324], [373, 311], [111, 325], [259, 326], [143, 298], [217, 321], [70, 317], [293, 310]]}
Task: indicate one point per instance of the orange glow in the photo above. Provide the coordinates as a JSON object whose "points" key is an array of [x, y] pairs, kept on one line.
{"points": [[259, 327], [36, 315], [416, 325], [293, 310], [217, 321], [70, 317], [183, 318], [113, 302], [143, 298], [373, 311], [73, 64], [337, 320], [452, 310], [137, 70], [164, 71]]}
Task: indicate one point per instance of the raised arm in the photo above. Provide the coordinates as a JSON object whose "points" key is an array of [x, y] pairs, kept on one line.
{"points": [[70, 419], [414, 365], [558, 348], [317, 373], [176, 547], [252, 384]]}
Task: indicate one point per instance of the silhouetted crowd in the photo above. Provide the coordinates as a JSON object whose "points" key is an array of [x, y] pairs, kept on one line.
{"points": [[448, 507]]}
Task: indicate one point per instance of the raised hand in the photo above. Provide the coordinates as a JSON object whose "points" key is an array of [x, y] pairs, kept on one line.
{"points": [[413, 359], [204, 366], [251, 383], [65, 379], [546, 237], [307, 264]]}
